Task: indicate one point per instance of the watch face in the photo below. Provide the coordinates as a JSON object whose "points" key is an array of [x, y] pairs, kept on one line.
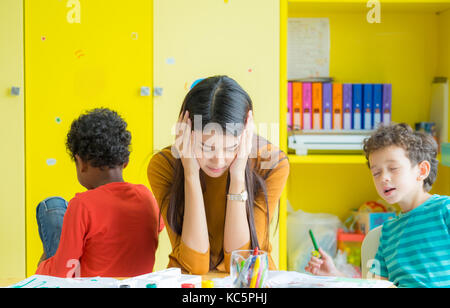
{"points": [[244, 195]]}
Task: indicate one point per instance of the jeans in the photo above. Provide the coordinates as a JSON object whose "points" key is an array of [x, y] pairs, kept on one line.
{"points": [[50, 214]]}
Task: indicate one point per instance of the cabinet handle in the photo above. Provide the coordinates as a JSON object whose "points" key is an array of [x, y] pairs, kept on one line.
{"points": [[145, 91], [15, 91], [157, 91]]}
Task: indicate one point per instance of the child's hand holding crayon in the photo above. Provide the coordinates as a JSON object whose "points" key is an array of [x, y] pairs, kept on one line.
{"points": [[321, 263], [323, 266]]}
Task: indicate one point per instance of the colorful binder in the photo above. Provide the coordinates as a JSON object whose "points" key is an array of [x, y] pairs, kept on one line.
{"points": [[347, 105], [337, 105], [387, 103], [317, 105], [307, 105], [327, 107], [289, 107], [297, 105], [377, 104], [368, 106], [357, 106]]}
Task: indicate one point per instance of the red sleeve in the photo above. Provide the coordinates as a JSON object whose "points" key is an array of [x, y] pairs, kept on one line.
{"points": [[66, 261]]}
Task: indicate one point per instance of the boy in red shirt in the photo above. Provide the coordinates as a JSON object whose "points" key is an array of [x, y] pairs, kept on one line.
{"points": [[112, 229]]}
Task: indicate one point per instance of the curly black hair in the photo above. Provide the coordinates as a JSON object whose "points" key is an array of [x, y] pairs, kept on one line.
{"points": [[418, 146], [100, 138]]}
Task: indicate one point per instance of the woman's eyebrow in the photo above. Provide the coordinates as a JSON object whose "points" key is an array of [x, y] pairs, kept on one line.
{"points": [[233, 146]]}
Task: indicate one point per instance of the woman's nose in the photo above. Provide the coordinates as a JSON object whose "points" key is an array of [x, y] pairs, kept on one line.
{"points": [[219, 157]]}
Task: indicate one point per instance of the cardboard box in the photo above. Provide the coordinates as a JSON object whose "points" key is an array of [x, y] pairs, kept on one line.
{"points": [[367, 221]]}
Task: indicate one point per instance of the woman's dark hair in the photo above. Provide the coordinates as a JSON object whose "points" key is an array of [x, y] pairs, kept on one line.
{"points": [[99, 137], [417, 145], [219, 100]]}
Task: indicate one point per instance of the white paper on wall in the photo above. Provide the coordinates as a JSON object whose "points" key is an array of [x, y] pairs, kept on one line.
{"points": [[308, 48]]}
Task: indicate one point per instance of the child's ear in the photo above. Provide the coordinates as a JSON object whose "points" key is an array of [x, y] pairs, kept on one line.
{"points": [[81, 164], [424, 170]]}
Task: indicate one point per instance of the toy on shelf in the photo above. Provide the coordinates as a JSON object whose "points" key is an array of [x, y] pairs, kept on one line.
{"points": [[350, 243], [370, 215]]}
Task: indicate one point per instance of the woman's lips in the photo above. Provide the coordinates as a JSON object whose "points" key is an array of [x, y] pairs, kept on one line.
{"points": [[216, 170]]}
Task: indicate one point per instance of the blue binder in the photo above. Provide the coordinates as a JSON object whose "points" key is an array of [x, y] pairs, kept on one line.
{"points": [[368, 106], [377, 104], [357, 106]]}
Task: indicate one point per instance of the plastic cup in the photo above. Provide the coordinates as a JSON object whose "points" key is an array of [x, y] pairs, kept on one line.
{"points": [[247, 270]]}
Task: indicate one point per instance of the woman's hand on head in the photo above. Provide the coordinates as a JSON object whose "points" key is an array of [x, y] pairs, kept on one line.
{"points": [[237, 167], [184, 145]]}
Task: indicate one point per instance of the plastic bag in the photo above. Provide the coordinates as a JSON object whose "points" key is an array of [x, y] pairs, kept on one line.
{"points": [[299, 244]]}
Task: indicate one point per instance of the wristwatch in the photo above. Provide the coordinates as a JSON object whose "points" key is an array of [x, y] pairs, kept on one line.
{"points": [[243, 196]]}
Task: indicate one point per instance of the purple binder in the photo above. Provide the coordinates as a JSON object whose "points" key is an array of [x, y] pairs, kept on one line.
{"points": [[327, 107], [347, 104], [387, 103], [307, 105], [289, 106]]}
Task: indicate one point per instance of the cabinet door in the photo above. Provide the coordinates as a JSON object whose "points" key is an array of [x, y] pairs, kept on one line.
{"points": [[201, 38], [81, 55], [12, 195]]}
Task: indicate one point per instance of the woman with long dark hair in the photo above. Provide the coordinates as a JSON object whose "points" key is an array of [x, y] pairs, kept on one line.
{"points": [[218, 186]]}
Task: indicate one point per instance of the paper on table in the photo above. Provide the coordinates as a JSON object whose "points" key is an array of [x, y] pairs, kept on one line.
{"points": [[291, 279], [168, 278], [42, 281], [308, 48], [288, 279]]}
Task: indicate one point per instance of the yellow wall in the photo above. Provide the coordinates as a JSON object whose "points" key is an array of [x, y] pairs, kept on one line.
{"points": [[201, 38], [12, 190], [102, 61], [204, 38]]}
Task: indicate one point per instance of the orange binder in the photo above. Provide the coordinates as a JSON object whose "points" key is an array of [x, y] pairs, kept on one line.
{"points": [[297, 105], [337, 105], [317, 105]]}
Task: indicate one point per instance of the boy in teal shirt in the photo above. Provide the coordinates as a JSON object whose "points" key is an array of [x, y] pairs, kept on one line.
{"points": [[414, 248]]}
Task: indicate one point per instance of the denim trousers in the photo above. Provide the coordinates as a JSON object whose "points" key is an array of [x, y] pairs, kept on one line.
{"points": [[50, 215]]}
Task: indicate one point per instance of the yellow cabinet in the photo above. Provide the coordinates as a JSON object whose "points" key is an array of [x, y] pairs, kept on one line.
{"points": [[81, 55], [407, 48], [12, 167], [201, 38]]}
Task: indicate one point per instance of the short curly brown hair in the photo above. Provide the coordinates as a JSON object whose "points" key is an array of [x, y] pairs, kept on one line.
{"points": [[100, 137], [417, 145]]}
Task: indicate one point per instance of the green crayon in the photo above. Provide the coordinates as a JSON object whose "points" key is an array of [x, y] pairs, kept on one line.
{"points": [[316, 247]]}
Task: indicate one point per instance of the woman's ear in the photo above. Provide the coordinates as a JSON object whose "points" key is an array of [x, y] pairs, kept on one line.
{"points": [[424, 169]]}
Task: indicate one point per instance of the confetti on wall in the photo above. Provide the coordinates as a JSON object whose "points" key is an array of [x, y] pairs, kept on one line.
{"points": [[79, 53], [51, 161], [170, 61]]}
